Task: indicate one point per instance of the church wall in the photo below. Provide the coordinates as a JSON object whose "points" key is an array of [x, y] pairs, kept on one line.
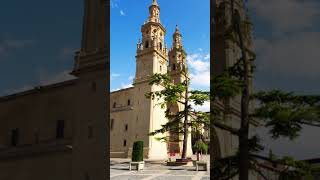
{"points": [[53, 166], [37, 113], [38, 153], [122, 116], [89, 142]]}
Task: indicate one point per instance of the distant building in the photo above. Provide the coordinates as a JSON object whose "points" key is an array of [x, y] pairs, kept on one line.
{"points": [[57, 131]]}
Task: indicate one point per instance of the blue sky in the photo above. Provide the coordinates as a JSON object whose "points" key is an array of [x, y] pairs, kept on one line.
{"points": [[127, 16], [37, 41], [287, 42]]}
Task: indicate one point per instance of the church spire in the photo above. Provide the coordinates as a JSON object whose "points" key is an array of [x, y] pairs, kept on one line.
{"points": [[154, 2], [177, 58], [177, 38], [94, 25], [93, 53], [154, 12]]}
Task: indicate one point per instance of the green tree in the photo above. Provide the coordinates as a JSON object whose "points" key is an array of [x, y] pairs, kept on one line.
{"points": [[174, 94], [283, 113]]}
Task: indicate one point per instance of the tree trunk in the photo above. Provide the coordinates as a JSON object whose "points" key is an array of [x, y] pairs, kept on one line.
{"points": [[244, 128], [185, 127], [213, 30], [198, 156]]}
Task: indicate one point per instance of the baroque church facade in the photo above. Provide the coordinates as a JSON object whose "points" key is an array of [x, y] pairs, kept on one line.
{"points": [[58, 131], [133, 116]]}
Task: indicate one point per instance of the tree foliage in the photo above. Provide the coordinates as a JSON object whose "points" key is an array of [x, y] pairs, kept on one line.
{"points": [[283, 113], [172, 95]]}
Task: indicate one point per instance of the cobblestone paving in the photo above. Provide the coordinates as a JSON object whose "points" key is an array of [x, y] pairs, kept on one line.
{"points": [[156, 171]]}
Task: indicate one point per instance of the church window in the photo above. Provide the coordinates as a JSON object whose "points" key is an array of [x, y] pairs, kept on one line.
{"points": [[160, 46], [36, 136], [90, 131], [126, 127], [60, 129], [173, 66], [125, 143], [114, 105], [129, 102], [111, 125], [14, 137], [94, 86], [147, 44], [86, 176]]}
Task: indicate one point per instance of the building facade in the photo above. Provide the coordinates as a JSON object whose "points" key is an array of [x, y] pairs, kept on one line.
{"points": [[58, 131], [133, 116]]}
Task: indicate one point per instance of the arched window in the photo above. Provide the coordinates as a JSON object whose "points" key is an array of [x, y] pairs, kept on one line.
{"points": [[90, 131], [60, 129], [111, 125], [160, 46], [14, 137], [129, 102], [114, 105], [147, 44], [94, 86], [173, 66]]}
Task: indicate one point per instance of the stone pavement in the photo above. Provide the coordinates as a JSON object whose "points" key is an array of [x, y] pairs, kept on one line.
{"points": [[155, 170]]}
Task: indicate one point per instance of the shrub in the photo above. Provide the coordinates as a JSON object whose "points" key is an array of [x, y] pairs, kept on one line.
{"points": [[200, 146], [137, 151]]}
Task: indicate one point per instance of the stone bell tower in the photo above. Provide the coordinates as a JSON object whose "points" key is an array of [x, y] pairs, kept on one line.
{"points": [[178, 71], [151, 58], [93, 53], [91, 68], [177, 59]]}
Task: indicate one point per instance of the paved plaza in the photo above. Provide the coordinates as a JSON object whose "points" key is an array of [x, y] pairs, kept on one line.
{"points": [[155, 170]]}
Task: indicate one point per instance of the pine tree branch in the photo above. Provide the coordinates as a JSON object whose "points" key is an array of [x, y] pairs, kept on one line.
{"points": [[226, 127]]}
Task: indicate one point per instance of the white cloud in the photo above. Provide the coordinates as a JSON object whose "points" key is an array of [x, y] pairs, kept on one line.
{"points": [[287, 15], [122, 13], [200, 79], [67, 51], [114, 3], [295, 55], [199, 70], [11, 44], [131, 77], [114, 75], [124, 86], [200, 49], [207, 57], [17, 43], [117, 89], [204, 108], [59, 77]]}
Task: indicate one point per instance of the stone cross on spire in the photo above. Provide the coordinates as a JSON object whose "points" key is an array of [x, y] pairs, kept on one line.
{"points": [[154, 2], [177, 38], [177, 30]]}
